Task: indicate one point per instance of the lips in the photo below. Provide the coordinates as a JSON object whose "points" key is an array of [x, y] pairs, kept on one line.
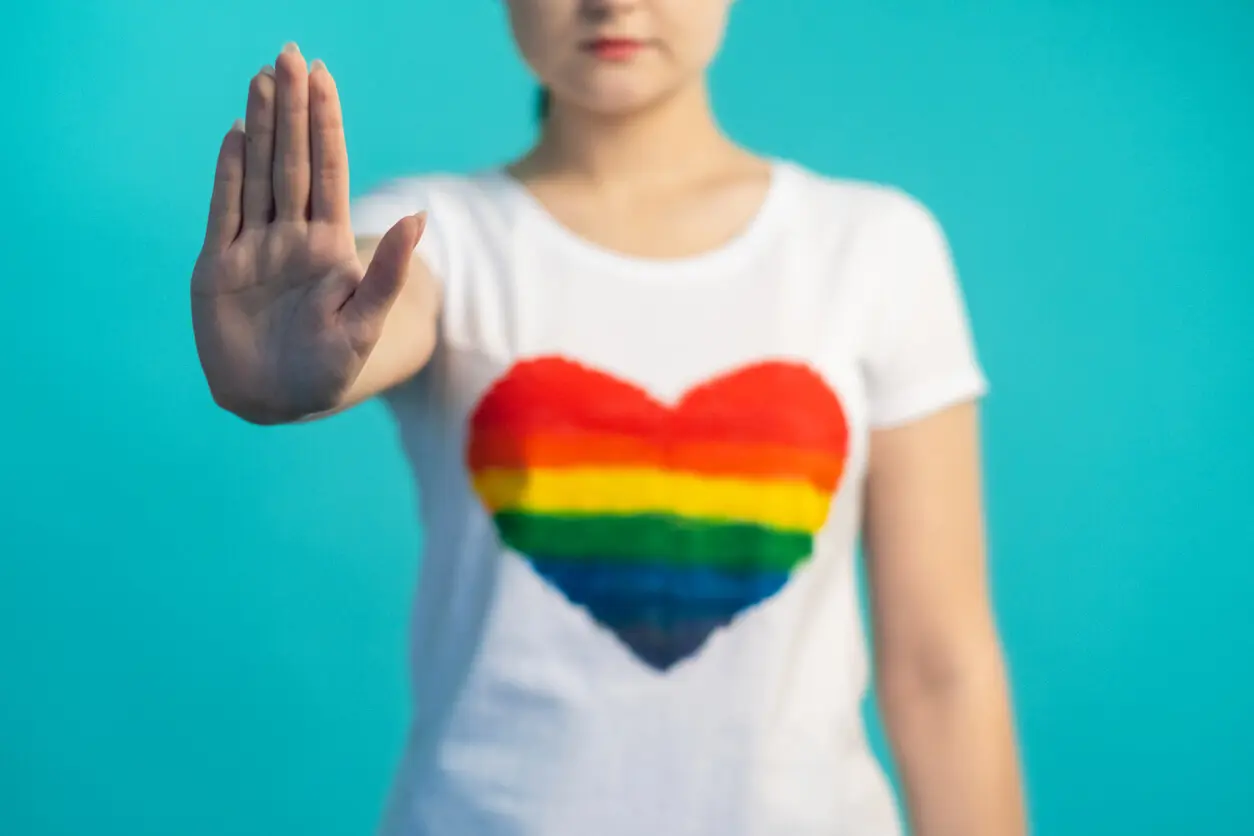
{"points": [[614, 49]]}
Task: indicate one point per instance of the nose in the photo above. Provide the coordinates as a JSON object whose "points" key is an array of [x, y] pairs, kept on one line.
{"points": [[601, 10]]}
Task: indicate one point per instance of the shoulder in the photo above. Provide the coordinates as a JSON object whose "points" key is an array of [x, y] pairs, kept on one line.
{"points": [[885, 239], [867, 208], [458, 204], [388, 201], [463, 210]]}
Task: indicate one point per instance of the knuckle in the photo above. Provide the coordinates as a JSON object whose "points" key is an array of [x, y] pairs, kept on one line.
{"points": [[324, 110], [227, 180], [260, 149], [330, 168], [292, 172], [330, 127]]}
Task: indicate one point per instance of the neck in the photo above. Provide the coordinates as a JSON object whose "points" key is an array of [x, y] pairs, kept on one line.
{"points": [[675, 137]]}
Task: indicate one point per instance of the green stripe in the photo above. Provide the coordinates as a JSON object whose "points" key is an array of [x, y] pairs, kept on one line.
{"points": [[654, 539]]}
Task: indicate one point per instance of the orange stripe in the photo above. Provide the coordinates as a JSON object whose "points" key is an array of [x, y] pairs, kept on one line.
{"points": [[712, 458]]}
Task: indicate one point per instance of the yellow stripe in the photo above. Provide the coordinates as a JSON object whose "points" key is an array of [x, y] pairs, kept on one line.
{"points": [[784, 504]]}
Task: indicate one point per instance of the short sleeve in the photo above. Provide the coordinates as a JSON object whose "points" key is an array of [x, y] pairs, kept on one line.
{"points": [[375, 212], [920, 354]]}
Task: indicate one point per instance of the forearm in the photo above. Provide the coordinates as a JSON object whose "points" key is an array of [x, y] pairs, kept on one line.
{"points": [[953, 739], [403, 350], [406, 340]]}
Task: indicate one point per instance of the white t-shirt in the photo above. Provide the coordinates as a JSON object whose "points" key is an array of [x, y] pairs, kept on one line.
{"points": [[640, 486]]}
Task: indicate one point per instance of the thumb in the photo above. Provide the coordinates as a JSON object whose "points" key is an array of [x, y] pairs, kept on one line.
{"points": [[385, 276]]}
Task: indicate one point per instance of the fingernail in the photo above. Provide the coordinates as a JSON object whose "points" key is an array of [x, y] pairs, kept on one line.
{"points": [[317, 65], [238, 126], [290, 48], [268, 70]]}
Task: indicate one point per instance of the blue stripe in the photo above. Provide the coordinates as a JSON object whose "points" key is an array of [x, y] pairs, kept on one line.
{"points": [[613, 577], [663, 647], [662, 596]]}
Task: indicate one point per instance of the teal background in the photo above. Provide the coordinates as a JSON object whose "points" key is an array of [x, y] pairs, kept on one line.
{"points": [[202, 622]]}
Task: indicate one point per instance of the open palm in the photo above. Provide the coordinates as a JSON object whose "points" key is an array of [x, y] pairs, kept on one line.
{"points": [[284, 312]]}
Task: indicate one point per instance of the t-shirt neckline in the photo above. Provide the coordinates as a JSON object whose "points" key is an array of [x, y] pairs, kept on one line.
{"points": [[731, 252]]}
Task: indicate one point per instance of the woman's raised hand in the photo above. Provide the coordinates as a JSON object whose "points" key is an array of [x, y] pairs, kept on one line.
{"points": [[284, 312]]}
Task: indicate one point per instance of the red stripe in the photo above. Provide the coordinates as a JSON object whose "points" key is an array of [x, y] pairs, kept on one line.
{"points": [[774, 403]]}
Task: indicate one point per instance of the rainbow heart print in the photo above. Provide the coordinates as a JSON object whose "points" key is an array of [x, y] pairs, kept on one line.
{"points": [[664, 522]]}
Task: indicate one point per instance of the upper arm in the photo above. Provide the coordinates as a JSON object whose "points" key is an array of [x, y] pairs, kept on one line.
{"points": [[923, 518], [924, 537]]}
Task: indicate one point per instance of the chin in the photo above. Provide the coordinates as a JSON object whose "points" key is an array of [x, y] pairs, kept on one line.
{"points": [[622, 102]]}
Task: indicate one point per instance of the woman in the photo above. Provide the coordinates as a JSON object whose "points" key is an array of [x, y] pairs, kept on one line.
{"points": [[653, 387]]}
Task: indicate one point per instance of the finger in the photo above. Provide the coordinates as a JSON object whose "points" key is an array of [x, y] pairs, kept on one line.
{"points": [[291, 138], [259, 153], [329, 190], [226, 205], [373, 298]]}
